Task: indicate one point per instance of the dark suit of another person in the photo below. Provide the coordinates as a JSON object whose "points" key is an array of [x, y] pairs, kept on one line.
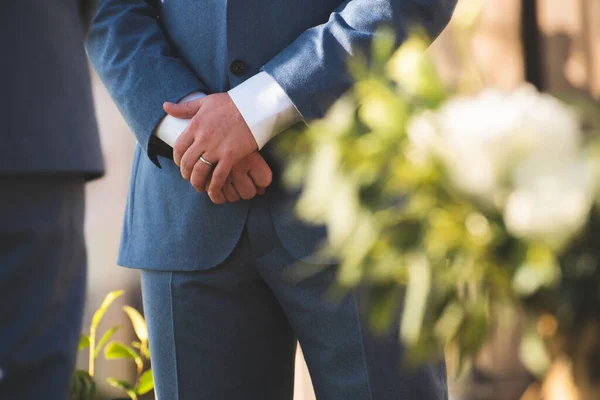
{"points": [[49, 148]]}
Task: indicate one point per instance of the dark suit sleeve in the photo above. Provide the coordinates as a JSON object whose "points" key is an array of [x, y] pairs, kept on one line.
{"points": [[312, 69], [134, 59]]}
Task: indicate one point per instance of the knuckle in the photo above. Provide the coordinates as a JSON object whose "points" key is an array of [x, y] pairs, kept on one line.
{"points": [[198, 167], [206, 135], [228, 152], [180, 147], [194, 124], [219, 177]]}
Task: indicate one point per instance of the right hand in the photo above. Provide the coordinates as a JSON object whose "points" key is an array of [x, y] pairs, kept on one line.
{"points": [[248, 178]]}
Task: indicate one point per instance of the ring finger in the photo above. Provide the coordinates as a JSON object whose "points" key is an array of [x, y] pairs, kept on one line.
{"points": [[200, 174], [190, 158]]}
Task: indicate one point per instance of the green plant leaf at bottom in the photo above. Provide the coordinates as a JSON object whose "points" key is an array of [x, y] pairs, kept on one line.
{"points": [[146, 383], [125, 386], [105, 338], [138, 322], [84, 342], [108, 300]]}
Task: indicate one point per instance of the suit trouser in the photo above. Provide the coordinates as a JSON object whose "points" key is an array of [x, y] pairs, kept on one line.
{"points": [[42, 284], [230, 332]]}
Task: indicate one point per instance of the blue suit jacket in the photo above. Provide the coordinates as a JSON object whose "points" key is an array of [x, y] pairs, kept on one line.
{"points": [[151, 52], [46, 107]]}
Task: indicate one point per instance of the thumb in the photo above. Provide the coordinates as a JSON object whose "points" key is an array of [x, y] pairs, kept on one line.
{"points": [[183, 110]]}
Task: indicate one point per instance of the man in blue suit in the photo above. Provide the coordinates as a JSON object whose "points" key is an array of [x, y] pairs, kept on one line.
{"points": [[223, 312], [49, 149]]}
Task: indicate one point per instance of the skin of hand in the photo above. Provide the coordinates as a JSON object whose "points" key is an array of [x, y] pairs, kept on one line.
{"points": [[217, 132], [249, 177]]}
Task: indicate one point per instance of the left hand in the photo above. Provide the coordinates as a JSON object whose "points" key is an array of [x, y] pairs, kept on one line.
{"points": [[248, 178], [217, 132]]}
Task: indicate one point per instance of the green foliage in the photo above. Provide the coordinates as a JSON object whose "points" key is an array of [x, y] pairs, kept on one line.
{"points": [[146, 383], [83, 385], [116, 351], [97, 317], [105, 338], [400, 228], [108, 300], [84, 342], [123, 385]]}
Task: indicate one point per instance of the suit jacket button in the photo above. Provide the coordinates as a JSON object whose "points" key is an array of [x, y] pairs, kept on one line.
{"points": [[237, 67]]}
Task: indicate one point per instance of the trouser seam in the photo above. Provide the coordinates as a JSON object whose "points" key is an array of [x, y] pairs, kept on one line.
{"points": [[172, 320]]}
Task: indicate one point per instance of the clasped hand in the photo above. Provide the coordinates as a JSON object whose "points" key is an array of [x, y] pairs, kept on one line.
{"points": [[218, 133]]}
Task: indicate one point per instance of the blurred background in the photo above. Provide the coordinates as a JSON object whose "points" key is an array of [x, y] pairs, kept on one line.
{"points": [[555, 44]]}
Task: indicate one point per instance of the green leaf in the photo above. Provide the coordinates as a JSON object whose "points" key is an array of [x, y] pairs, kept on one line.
{"points": [[125, 386], [383, 45], [417, 293], [84, 341], [105, 338], [447, 326], [146, 383], [138, 322], [474, 329], [120, 384], [108, 300], [117, 350], [83, 386]]}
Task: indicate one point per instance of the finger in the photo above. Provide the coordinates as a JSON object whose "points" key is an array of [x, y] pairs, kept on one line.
{"points": [[231, 194], [261, 174], [200, 176], [190, 159], [217, 198], [219, 175], [185, 109], [182, 144], [261, 191], [244, 186]]}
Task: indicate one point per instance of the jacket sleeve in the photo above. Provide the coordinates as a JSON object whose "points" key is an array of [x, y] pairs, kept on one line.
{"points": [[132, 55], [312, 69]]}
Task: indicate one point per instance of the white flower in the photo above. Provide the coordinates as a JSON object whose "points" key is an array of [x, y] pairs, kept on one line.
{"points": [[481, 139], [551, 202], [519, 152]]}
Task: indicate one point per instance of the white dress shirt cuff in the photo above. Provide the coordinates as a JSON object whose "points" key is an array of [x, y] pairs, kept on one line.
{"points": [[170, 127], [265, 107]]}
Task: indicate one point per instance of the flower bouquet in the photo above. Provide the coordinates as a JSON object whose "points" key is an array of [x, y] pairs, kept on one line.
{"points": [[457, 205]]}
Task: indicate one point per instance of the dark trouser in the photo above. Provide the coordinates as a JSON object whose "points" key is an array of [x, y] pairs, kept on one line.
{"points": [[42, 284], [230, 332]]}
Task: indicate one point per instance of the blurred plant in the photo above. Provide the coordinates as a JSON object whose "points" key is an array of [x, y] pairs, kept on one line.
{"points": [[452, 204], [83, 385]]}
